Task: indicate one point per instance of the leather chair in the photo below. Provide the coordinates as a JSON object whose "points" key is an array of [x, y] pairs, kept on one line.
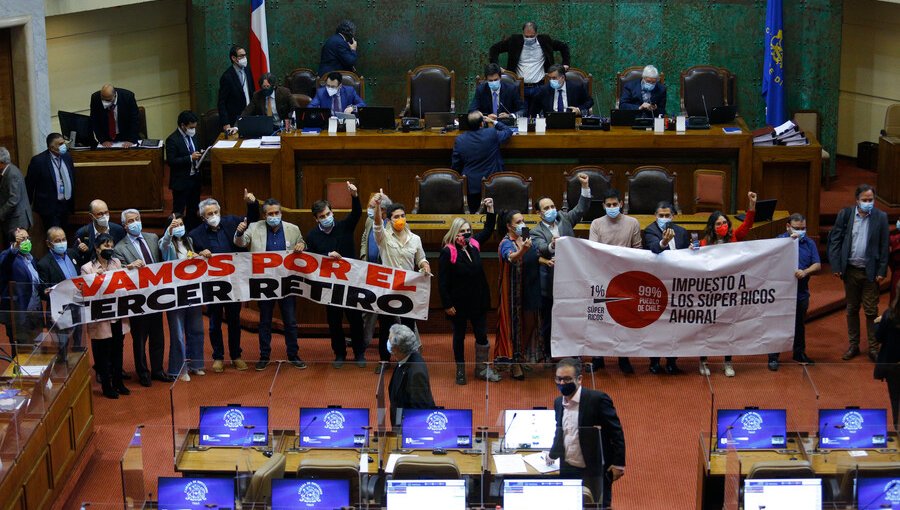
{"points": [[142, 123], [580, 78], [778, 469], [630, 74], [892, 121], [329, 469], [600, 181], [441, 191], [709, 190], [647, 187], [301, 81], [429, 88], [510, 190], [302, 100], [260, 489], [349, 78], [509, 78], [208, 128], [337, 194], [706, 81], [426, 468]]}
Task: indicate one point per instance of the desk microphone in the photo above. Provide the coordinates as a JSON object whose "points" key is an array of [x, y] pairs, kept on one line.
{"points": [[249, 429], [504, 445], [421, 113], [300, 434], [730, 427], [890, 486]]}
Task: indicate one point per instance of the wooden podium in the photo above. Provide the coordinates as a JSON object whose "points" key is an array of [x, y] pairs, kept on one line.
{"points": [[888, 186]]}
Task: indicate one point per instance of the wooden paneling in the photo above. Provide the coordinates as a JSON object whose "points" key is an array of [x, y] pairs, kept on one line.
{"points": [[888, 187], [793, 176], [38, 483], [7, 98], [82, 416], [135, 176], [62, 447]]}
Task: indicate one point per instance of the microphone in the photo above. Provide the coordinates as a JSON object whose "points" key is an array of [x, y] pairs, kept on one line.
{"points": [[421, 113], [300, 434], [730, 427], [249, 429], [890, 486], [504, 445]]}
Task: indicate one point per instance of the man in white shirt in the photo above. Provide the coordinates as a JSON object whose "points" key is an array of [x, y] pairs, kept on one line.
{"points": [[529, 55]]}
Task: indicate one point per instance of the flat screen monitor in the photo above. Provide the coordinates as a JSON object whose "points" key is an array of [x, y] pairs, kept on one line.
{"points": [[430, 494], [546, 493], [177, 493], [852, 428], [304, 493], [783, 494], [751, 429], [529, 428], [437, 428], [333, 427], [234, 426], [80, 124], [881, 492]]}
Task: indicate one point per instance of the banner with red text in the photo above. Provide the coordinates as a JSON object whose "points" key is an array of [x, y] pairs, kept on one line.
{"points": [[235, 277], [736, 298]]}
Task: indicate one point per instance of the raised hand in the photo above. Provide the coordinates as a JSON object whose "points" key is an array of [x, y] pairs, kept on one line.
{"points": [[352, 189]]}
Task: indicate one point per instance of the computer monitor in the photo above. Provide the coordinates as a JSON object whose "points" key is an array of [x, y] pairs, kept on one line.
{"points": [[783, 494], [305, 493], [430, 494], [234, 426], [880, 492], [256, 126], [529, 428], [751, 429], [376, 117], [80, 124], [852, 428], [313, 117], [333, 427], [187, 493], [437, 428], [542, 493]]}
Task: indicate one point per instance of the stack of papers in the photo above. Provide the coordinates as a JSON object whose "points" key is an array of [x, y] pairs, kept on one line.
{"points": [[270, 142], [509, 464], [788, 134], [251, 144], [225, 144]]}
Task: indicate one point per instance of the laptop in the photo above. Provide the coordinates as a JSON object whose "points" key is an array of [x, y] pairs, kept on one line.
{"points": [[437, 428], [620, 117], [852, 428], [234, 426], [188, 493], [751, 429], [560, 120], [304, 493], [312, 118], [333, 428], [256, 126], [430, 494], [880, 492], [438, 120], [542, 493], [722, 114], [529, 428], [783, 494], [376, 117]]}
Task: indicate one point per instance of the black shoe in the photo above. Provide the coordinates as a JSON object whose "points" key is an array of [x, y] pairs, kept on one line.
{"points": [[625, 366], [125, 376], [122, 390], [461, 376], [655, 368], [339, 362], [597, 363], [261, 365], [773, 365], [672, 369], [110, 393], [803, 358], [851, 353], [298, 363], [145, 380], [162, 377], [873, 355]]}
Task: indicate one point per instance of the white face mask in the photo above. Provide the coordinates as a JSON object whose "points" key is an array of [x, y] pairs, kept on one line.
{"points": [[213, 221], [331, 90], [242, 62], [106, 104], [191, 132]]}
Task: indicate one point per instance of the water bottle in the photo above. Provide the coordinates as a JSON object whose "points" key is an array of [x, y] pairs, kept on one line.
{"points": [[695, 241]]}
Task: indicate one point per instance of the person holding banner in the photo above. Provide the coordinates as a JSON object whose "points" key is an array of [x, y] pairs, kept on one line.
{"points": [[718, 231], [21, 289], [87, 234], [368, 251], [107, 337], [465, 294]]}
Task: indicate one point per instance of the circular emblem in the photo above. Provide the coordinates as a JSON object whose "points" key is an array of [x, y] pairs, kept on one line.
{"points": [[892, 491], [195, 491], [853, 421], [233, 419], [334, 421], [310, 493], [636, 299], [437, 421], [751, 422]]}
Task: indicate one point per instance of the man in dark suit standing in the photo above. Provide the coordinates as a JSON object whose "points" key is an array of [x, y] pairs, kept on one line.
{"points": [[57, 266], [410, 386], [339, 50], [340, 98], [100, 224], [659, 236], [15, 211], [476, 153], [114, 116], [530, 56], [646, 94], [557, 96], [589, 441], [182, 155], [858, 252], [495, 99], [138, 249], [271, 100], [49, 182], [236, 87]]}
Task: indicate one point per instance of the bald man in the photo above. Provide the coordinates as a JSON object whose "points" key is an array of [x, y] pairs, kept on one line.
{"points": [[100, 224], [114, 116]]}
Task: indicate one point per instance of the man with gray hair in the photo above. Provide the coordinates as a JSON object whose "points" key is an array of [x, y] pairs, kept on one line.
{"points": [[410, 386], [15, 210], [648, 94]]}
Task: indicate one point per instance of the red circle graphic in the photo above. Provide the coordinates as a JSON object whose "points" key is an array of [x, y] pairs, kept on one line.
{"points": [[636, 299]]}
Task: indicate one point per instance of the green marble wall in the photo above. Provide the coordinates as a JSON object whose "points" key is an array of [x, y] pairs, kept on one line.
{"points": [[604, 36]]}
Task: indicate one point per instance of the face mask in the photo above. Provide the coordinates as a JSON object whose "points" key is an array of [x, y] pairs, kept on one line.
{"points": [[25, 246], [60, 247], [268, 91], [102, 221], [647, 87], [371, 212], [242, 62], [331, 90], [549, 215], [399, 223], [612, 212], [63, 149], [106, 104], [529, 41], [555, 84], [494, 85], [518, 228], [178, 231], [107, 253], [273, 221], [134, 228], [567, 389], [898, 224], [389, 349], [722, 230], [663, 223], [213, 221], [191, 132], [800, 233], [866, 207], [463, 238], [327, 222]]}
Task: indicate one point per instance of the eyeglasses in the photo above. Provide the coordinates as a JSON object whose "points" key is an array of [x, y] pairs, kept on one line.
{"points": [[564, 380]]}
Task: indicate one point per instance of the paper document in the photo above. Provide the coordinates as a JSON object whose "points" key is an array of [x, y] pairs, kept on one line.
{"points": [[392, 461], [251, 144], [225, 144], [271, 140], [32, 370], [536, 460], [509, 464], [858, 453], [115, 145], [363, 462]]}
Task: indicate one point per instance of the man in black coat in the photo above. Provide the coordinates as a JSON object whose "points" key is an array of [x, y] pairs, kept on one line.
{"points": [[236, 87], [100, 224], [410, 387], [114, 116], [58, 265], [339, 50], [182, 155], [559, 96], [589, 441], [530, 56], [15, 210], [49, 180], [271, 100]]}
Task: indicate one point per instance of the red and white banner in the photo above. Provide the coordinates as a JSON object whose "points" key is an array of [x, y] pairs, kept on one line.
{"points": [[259, 39], [235, 277], [737, 298]]}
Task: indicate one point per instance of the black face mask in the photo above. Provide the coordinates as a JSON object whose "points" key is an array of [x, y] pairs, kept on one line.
{"points": [[107, 253], [567, 389], [269, 91], [467, 236]]}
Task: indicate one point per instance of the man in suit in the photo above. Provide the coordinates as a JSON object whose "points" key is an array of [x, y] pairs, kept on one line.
{"points": [[340, 98], [236, 87], [410, 386], [15, 211], [659, 236], [557, 96], [553, 225], [182, 155], [589, 441], [114, 116], [49, 182], [495, 99], [21, 288], [339, 50], [476, 153], [858, 252], [138, 249], [100, 224], [648, 94], [530, 56], [57, 266], [271, 100], [272, 234]]}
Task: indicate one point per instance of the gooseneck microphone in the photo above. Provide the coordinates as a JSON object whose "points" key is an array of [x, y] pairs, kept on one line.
{"points": [[300, 433], [504, 445]]}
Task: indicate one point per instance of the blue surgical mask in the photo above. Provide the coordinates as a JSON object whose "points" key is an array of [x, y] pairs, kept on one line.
{"points": [[647, 87], [134, 228], [549, 215], [898, 224], [866, 207], [663, 223], [494, 85], [801, 233], [371, 212], [178, 231], [612, 212], [327, 222], [529, 41], [519, 227], [273, 221], [389, 346], [63, 149], [60, 247], [555, 84]]}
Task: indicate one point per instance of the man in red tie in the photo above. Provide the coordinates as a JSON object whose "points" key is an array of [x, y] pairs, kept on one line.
{"points": [[114, 116]]}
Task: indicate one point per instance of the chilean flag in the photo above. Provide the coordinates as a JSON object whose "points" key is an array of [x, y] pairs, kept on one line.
{"points": [[259, 39]]}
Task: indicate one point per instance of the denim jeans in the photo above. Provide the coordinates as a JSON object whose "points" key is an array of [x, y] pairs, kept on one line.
{"points": [[185, 338]]}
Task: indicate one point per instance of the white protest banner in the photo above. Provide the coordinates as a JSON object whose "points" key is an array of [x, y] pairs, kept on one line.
{"points": [[235, 277], [736, 298]]}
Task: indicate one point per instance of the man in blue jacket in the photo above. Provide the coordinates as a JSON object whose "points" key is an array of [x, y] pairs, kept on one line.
{"points": [[340, 98], [21, 291], [339, 51], [495, 99], [648, 94], [476, 153]]}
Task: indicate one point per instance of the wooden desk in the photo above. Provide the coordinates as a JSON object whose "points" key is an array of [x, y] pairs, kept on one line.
{"points": [[793, 175], [718, 460], [835, 462], [294, 458], [468, 463], [888, 185], [218, 459], [124, 178], [257, 170]]}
